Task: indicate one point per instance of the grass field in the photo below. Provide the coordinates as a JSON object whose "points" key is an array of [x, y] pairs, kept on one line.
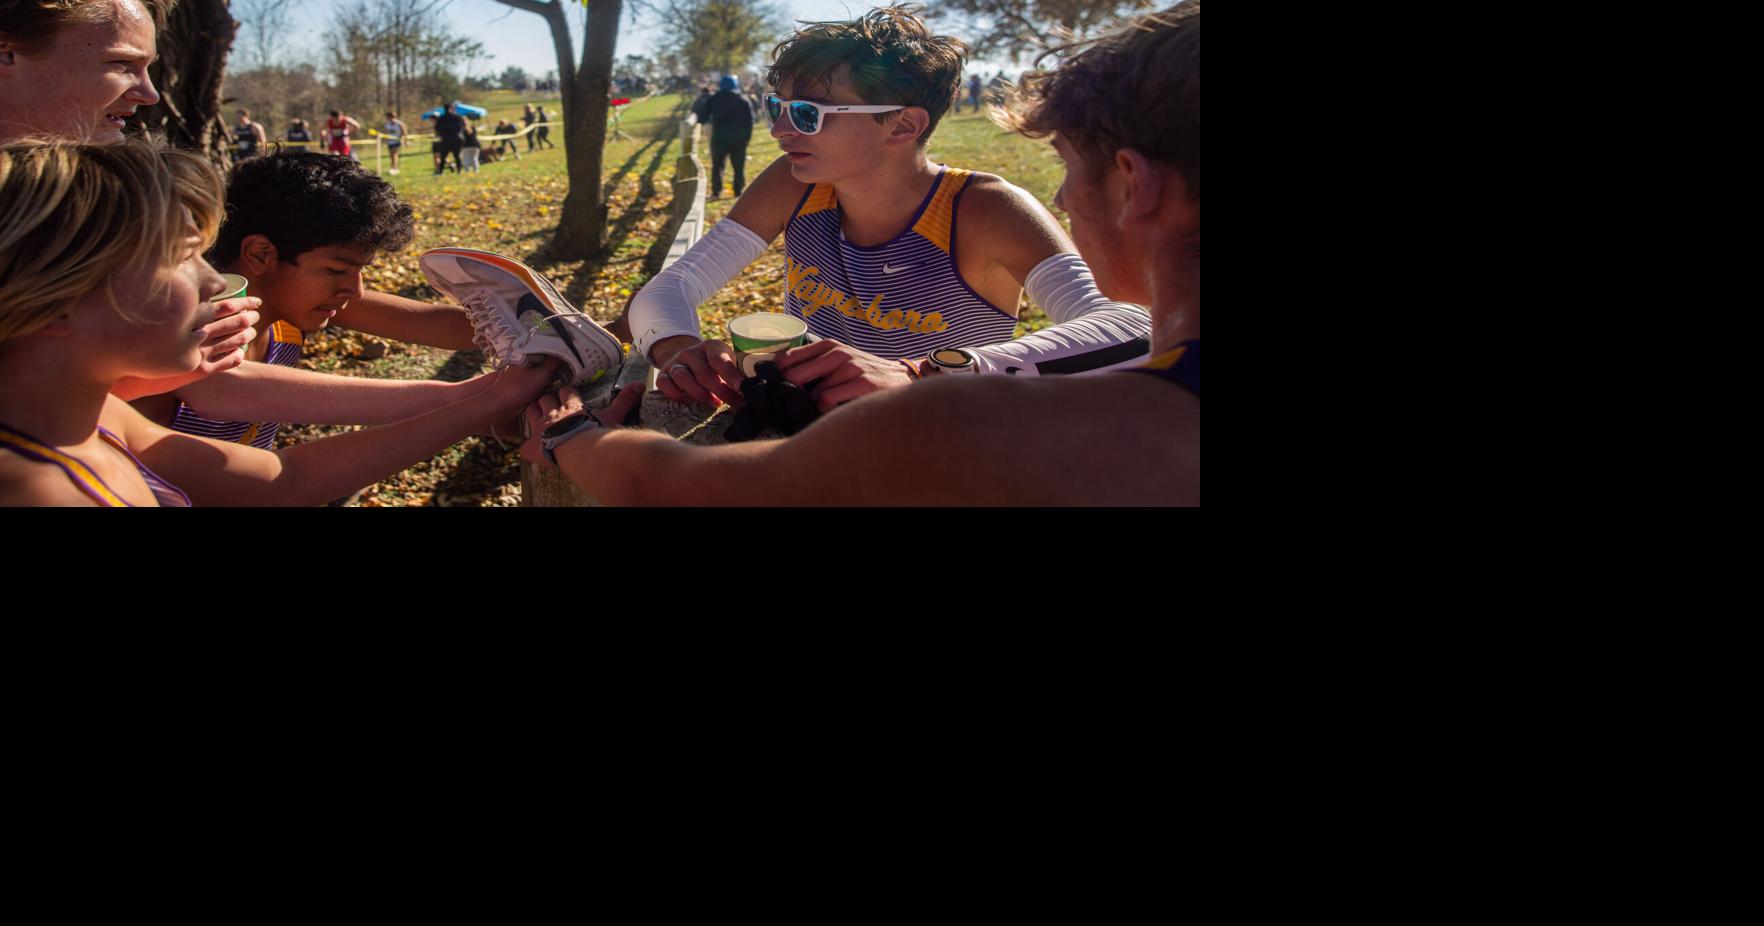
{"points": [[511, 207]]}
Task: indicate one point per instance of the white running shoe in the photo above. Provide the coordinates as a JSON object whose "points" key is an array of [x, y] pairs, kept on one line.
{"points": [[517, 314]]}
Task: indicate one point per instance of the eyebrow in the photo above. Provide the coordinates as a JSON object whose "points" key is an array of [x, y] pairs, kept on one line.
{"points": [[131, 52]]}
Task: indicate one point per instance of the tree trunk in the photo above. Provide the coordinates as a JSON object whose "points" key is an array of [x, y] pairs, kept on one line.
{"points": [[193, 51], [581, 230]]}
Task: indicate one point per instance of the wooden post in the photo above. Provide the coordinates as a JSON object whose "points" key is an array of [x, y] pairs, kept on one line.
{"points": [[548, 488]]}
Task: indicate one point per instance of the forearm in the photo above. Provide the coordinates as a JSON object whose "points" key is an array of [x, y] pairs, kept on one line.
{"points": [[316, 472], [401, 319], [631, 466], [1090, 332], [667, 306], [269, 392], [1115, 337]]}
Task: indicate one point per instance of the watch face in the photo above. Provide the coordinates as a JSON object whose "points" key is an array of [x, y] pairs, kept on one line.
{"points": [[563, 427], [949, 357]]}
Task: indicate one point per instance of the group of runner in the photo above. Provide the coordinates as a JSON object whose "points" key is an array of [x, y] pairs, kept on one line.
{"points": [[910, 272]]}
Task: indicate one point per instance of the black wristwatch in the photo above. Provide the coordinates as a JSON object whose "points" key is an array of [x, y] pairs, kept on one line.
{"points": [[955, 360], [566, 428]]}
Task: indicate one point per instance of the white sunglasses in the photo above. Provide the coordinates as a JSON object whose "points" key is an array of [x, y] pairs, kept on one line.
{"points": [[806, 116]]}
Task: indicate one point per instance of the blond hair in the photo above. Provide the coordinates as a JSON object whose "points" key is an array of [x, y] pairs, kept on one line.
{"points": [[73, 217]]}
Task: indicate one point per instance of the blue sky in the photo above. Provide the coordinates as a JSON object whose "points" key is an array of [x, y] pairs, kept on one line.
{"points": [[516, 37]]}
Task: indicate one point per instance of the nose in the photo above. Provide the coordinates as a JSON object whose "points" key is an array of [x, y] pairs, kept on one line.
{"points": [[213, 284], [142, 93], [352, 284]]}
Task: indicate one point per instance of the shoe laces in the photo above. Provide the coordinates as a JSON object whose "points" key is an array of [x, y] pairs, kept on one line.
{"points": [[491, 329]]}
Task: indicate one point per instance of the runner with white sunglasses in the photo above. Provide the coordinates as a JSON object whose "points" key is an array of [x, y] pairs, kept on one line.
{"points": [[891, 257]]}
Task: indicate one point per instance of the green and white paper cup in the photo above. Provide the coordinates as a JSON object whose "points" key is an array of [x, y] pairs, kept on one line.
{"points": [[766, 331], [236, 286]]}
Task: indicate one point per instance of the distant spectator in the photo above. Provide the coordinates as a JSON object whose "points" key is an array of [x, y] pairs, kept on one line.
{"points": [[449, 129], [248, 137], [701, 106], [469, 149], [731, 122], [527, 120], [974, 91], [544, 131], [507, 145], [393, 131], [297, 131]]}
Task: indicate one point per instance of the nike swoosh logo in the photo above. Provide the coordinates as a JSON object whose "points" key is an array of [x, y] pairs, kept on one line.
{"points": [[888, 269]]}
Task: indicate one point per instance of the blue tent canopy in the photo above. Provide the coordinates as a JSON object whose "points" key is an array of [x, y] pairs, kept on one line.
{"points": [[463, 109]]}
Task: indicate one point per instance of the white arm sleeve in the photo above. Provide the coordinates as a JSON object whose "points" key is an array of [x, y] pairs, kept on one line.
{"points": [[1089, 334], [668, 304]]}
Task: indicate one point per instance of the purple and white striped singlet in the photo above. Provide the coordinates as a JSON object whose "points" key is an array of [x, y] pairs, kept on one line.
{"points": [[284, 350], [902, 298]]}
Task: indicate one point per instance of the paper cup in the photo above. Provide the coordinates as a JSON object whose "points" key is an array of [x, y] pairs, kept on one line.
{"points": [[235, 286], [766, 331]]}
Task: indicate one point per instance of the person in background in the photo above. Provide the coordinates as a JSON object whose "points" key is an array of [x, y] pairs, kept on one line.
{"points": [[507, 145], [544, 131], [468, 149], [701, 106], [337, 129], [297, 131], [449, 132], [731, 121], [248, 137], [393, 131], [974, 91]]}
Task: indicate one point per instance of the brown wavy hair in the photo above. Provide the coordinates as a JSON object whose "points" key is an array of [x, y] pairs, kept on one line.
{"points": [[893, 56], [73, 217], [30, 24], [1138, 87]]}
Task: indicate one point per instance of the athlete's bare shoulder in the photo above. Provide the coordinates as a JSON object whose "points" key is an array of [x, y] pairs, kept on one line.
{"points": [[766, 205], [29, 482], [1008, 225]]}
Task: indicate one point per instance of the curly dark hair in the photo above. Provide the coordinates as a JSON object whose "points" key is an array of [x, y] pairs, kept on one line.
{"points": [[893, 56], [301, 200], [1138, 88]]}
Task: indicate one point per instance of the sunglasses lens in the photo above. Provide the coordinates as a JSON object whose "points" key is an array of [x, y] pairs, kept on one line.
{"points": [[774, 107], [806, 117]]}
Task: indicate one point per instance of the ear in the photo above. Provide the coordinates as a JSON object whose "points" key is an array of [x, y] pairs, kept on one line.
{"points": [[257, 254], [909, 125], [1143, 186]]}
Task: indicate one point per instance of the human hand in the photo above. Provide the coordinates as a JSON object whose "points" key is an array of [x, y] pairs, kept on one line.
{"points": [[702, 374], [845, 372], [511, 390], [551, 409], [223, 348]]}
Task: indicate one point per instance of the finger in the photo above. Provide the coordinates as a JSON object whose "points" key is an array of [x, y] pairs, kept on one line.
{"points": [[666, 387], [233, 343], [532, 417], [226, 307], [620, 407], [830, 399], [805, 353], [687, 383], [548, 405], [838, 377], [227, 362], [824, 365], [723, 365], [716, 385], [569, 399], [230, 325]]}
